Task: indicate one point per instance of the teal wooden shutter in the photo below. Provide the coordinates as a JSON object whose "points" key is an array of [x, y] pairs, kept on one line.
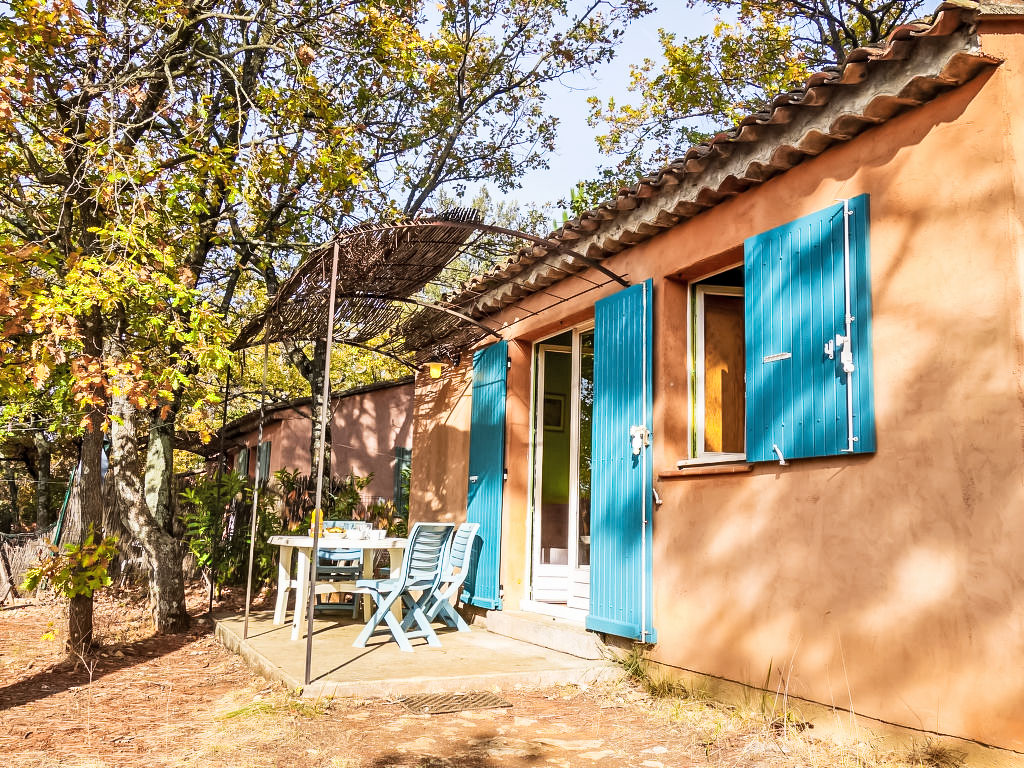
{"points": [[242, 463], [799, 399], [264, 463], [403, 461], [620, 530], [487, 473]]}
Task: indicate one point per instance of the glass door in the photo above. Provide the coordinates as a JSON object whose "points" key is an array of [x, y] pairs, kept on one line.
{"points": [[564, 410]]}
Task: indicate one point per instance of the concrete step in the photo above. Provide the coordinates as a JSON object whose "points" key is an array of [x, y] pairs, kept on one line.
{"points": [[547, 632]]}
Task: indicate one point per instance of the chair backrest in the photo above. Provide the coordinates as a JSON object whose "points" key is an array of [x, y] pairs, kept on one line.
{"points": [[425, 555], [461, 548]]}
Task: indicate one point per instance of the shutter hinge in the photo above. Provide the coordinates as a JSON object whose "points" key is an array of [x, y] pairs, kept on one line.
{"points": [[508, 362], [504, 475]]}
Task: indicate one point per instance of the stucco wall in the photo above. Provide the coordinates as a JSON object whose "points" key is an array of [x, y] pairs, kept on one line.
{"points": [[891, 584], [365, 430]]}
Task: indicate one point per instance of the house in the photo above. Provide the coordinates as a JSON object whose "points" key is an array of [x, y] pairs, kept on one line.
{"points": [[371, 433], [792, 441]]}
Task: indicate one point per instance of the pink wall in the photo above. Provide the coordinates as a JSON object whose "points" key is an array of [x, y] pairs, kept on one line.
{"points": [[365, 430]]}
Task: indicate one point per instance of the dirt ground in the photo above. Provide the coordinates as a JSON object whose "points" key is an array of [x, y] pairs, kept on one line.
{"points": [[182, 700]]}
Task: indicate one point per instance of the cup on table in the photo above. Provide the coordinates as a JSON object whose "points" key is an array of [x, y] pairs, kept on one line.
{"points": [[377, 534]]}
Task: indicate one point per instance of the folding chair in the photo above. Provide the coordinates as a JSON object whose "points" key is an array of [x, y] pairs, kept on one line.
{"points": [[420, 572], [340, 565], [439, 604]]}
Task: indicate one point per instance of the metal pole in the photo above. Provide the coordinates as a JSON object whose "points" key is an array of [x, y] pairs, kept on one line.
{"points": [[222, 464], [256, 492], [317, 511]]}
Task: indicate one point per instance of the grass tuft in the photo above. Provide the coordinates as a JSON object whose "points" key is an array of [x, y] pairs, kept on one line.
{"points": [[934, 755], [638, 670]]}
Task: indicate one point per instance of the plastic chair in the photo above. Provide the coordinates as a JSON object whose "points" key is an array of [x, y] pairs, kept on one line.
{"points": [[341, 564], [438, 604], [420, 572]]}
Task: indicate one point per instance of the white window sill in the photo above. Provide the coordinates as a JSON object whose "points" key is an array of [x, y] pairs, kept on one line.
{"points": [[713, 458]]}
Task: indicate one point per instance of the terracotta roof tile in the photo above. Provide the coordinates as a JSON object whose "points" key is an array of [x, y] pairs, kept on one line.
{"points": [[916, 62]]}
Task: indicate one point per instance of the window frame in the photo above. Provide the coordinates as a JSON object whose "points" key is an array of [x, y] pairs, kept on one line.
{"points": [[695, 379]]}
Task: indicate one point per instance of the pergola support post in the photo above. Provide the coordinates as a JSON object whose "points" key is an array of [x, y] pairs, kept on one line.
{"points": [[256, 491], [317, 509]]}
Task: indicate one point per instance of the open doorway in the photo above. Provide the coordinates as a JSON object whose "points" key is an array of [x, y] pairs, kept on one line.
{"points": [[560, 583]]}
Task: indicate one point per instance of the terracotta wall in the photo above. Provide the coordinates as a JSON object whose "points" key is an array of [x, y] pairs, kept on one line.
{"points": [[890, 584], [366, 429]]}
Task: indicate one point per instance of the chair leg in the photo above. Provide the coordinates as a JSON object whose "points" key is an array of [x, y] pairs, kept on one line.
{"points": [[447, 613], [397, 632], [383, 613], [424, 624], [378, 616]]}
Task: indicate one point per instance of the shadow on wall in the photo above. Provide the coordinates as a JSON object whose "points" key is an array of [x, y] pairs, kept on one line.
{"points": [[440, 463]]}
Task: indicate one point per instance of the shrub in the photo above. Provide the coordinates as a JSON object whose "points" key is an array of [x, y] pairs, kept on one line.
{"points": [[77, 571], [217, 513]]}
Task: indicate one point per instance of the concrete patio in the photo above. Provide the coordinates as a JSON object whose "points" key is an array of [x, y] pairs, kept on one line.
{"points": [[465, 661]]}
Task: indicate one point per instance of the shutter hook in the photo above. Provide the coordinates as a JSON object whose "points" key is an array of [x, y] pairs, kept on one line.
{"points": [[778, 452]]}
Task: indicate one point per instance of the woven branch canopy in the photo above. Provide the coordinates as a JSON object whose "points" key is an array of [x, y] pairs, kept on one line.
{"points": [[382, 273]]}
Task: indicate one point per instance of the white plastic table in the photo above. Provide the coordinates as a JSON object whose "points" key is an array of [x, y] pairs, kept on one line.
{"points": [[298, 580]]}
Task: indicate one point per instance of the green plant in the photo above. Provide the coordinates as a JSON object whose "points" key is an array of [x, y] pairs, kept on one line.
{"points": [[77, 571], [341, 498], [384, 514], [216, 515]]}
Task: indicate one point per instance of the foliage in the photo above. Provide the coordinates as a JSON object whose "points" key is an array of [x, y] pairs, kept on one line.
{"points": [[708, 82], [342, 497], [216, 514], [77, 570], [384, 515]]}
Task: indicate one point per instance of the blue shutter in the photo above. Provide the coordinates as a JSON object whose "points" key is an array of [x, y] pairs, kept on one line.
{"points": [[487, 473], [620, 531], [795, 291], [242, 462], [264, 463]]}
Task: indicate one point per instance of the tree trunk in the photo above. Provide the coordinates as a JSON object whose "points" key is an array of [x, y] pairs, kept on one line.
{"points": [[44, 515], [79, 625], [8, 519], [160, 469], [314, 374], [90, 488], [162, 551]]}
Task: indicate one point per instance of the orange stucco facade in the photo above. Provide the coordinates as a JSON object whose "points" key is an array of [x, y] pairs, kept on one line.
{"points": [[890, 584]]}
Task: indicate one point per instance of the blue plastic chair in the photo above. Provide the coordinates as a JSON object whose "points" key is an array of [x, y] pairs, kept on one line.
{"points": [[341, 564], [421, 571], [439, 604]]}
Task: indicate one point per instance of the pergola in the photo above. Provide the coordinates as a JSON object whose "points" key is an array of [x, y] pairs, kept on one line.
{"points": [[374, 287]]}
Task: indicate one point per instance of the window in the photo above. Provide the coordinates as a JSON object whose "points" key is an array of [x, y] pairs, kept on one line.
{"points": [[780, 348], [717, 367]]}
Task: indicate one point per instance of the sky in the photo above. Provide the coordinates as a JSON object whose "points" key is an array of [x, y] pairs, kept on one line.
{"points": [[576, 156]]}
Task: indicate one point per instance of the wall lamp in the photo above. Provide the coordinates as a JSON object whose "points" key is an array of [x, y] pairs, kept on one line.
{"points": [[436, 363]]}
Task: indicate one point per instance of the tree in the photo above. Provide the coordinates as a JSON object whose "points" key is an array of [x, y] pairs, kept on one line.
{"points": [[146, 147], [708, 82], [467, 107], [160, 156]]}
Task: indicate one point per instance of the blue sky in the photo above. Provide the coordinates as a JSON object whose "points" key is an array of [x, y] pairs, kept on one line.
{"points": [[576, 156]]}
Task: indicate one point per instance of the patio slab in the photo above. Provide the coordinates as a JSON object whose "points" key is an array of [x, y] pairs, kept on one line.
{"points": [[465, 661]]}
